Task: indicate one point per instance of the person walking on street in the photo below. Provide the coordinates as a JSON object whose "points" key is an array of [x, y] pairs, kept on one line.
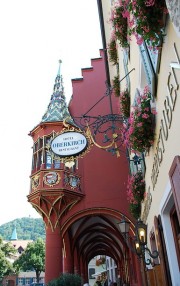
{"points": [[98, 282]]}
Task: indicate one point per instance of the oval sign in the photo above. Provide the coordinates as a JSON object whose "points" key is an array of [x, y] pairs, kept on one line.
{"points": [[69, 144]]}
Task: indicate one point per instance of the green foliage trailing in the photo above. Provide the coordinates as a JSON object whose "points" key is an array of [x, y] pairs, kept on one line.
{"points": [[66, 279], [112, 51], [27, 229]]}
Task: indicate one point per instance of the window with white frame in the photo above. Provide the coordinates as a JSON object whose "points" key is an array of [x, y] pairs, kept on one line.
{"points": [[27, 281], [20, 281]]}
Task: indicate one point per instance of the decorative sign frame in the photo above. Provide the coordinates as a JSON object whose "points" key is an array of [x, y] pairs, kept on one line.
{"points": [[69, 144]]}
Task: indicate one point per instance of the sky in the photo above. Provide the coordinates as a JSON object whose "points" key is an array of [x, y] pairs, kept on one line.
{"points": [[34, 35]]}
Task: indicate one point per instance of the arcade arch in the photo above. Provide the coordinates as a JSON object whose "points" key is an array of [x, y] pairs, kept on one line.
{"points": [[94, 232]]}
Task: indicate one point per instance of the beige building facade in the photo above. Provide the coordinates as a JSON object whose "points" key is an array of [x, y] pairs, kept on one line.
{"points": [[139, 66]]}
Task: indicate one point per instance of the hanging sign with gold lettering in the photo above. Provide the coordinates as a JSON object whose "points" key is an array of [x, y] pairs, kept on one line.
{"points": [[69, 144]]}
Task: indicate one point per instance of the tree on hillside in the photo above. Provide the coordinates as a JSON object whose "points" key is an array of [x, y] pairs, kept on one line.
{"points": [[33, 258], [27, 229], [6, 250]]}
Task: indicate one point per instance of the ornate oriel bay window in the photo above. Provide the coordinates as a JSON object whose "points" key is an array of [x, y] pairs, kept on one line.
{"points": [[42, 158]]}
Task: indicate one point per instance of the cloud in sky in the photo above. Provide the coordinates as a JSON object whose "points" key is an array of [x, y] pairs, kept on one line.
{"points": [[35, 34]]}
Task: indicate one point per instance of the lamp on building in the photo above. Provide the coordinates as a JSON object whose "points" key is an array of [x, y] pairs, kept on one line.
{"points": [[140, 240], [124, 226], [136, 160], [141, 232], [136, 163]]}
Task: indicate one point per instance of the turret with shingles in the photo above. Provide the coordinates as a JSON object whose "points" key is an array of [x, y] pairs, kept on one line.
{"points": [[57, 109]]}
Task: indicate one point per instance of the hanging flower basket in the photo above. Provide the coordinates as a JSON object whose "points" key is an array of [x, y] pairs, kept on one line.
{"points": [[125, 103], [116, 87], [112, 51], [148, 20], [139, 131], [135, 193], [136, 187], [145, 20], [120, 25]]}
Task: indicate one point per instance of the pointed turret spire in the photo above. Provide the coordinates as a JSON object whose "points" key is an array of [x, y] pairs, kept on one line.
{"points": [[57, 109], [14, 234]]}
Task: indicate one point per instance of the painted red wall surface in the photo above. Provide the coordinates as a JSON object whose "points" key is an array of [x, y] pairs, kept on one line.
{"points": [[104, 176]]}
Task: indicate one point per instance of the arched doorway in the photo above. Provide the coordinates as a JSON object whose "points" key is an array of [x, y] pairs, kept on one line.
{"points": [[93, 232]]}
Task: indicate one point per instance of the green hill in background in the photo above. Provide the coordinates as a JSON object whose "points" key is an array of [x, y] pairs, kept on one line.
{"points": [[27, 228]]}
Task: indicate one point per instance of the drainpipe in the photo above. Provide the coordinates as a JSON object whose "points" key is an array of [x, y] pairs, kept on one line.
{"points": [[101, 19]]}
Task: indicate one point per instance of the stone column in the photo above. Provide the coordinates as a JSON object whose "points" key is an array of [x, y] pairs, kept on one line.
{"points": [[54, 258]]}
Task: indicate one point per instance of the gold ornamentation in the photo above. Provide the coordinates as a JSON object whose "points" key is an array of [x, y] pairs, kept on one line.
{"points": [[69, 161], [114, 136], [35, 182]]}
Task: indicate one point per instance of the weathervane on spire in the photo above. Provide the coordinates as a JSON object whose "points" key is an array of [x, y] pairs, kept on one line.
{"points": [[57, 109], [60, 62]]}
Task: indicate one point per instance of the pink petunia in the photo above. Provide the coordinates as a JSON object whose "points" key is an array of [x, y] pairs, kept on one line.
{"points": [[139, 124], [145, 116]]}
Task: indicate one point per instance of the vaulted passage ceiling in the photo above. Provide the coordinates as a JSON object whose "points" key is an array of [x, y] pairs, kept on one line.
{"points": [[97, 234]]}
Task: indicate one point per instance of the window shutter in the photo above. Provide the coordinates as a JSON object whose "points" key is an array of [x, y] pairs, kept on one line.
{"points": [[174, 175], [148, 68], [125, 63], [155, 56]]}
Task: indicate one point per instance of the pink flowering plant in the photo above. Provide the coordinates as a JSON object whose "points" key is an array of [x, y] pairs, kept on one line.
{"points": [[138, 132], [125, 103], [136, 188], [112, 51], [135, 193], [141, 18], [119, 24], [146, 22]]}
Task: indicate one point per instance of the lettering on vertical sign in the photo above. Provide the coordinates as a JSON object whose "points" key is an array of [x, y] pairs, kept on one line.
{"points": [[167, 116]]}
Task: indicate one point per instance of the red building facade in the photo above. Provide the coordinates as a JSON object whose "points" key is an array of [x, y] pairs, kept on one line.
{"points": [[82, 205]]}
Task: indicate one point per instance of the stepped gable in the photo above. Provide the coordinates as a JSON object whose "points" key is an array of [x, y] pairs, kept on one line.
{"points": [[88, 69], [90, 89]]}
